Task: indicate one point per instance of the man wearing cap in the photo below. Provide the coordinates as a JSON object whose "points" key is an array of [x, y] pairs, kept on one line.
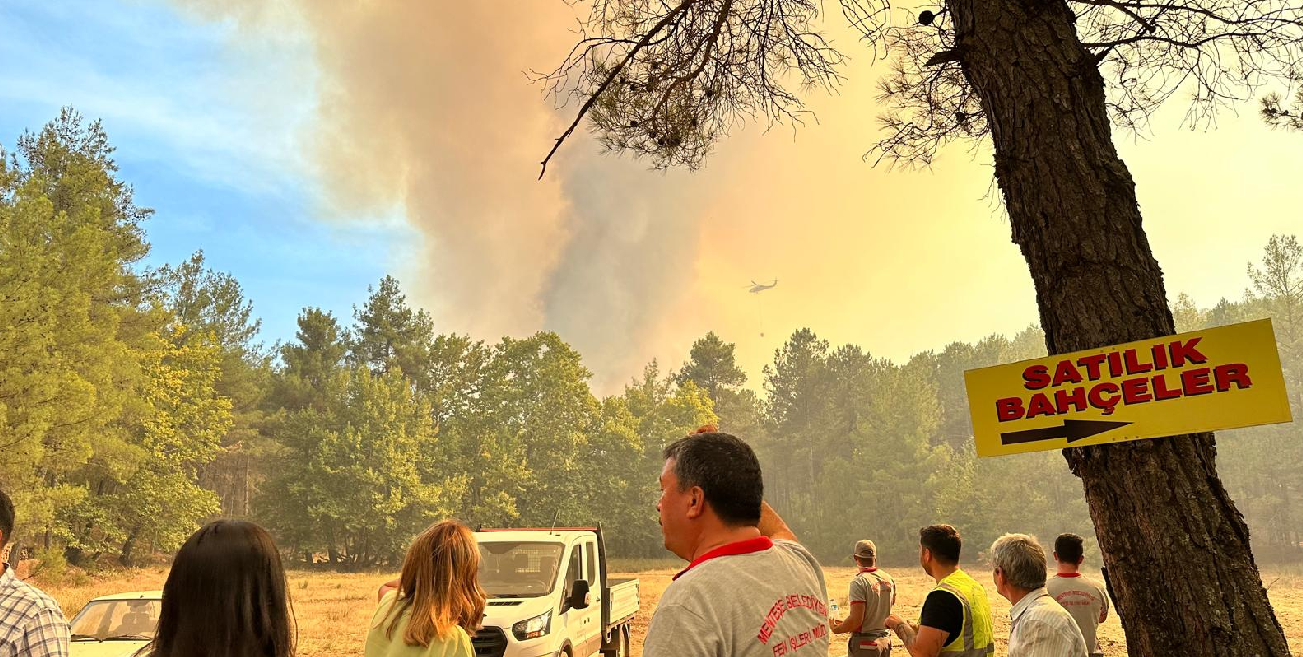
{"points": [[872, 593]]}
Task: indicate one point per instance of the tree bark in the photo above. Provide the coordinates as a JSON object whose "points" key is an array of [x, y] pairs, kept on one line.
{"points": [[1176, 548], [126, 556]]}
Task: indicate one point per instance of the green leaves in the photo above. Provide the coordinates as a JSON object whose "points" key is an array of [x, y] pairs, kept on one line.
{"points": [[107, 405], [359, 473]]}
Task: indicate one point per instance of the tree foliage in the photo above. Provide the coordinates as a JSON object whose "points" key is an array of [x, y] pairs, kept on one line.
{"points": [[107, 406], [666, 80]]}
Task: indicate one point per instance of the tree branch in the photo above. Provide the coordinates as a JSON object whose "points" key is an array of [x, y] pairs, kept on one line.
{"points": [[942, 57], [1195, 45], [610, 77]]}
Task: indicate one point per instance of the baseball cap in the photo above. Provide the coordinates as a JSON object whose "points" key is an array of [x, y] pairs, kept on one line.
{"points": [[866, 549]]}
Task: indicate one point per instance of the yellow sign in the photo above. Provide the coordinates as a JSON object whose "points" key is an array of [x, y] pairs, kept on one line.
{"points": [[1219, 378]]}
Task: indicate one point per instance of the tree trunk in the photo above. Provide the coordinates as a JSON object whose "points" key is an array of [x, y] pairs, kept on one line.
{"points": [[1176, 548], [125, 557]]}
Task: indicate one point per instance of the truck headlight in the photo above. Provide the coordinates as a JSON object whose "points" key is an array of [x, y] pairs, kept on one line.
{"points": [[533, 628]]}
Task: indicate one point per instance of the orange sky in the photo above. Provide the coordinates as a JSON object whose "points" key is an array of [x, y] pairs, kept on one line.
{"points": [[425, 106]]}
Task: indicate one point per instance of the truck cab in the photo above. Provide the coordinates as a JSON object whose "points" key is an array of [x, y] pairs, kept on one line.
{"points": [[549, 593]]}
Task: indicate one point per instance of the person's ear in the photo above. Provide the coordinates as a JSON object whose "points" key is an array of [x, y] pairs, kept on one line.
{"points": [[696, 502]]}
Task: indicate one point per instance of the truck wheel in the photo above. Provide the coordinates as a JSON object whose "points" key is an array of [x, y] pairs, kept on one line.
{"points": [[618, 646]]}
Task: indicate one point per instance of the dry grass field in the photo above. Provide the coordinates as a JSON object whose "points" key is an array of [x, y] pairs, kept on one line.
{"points": [[333, 609]]}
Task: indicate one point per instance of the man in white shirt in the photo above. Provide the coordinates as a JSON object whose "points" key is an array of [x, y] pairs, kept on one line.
{"points": [[1083, 597], [750, 589], [1040, 626]]}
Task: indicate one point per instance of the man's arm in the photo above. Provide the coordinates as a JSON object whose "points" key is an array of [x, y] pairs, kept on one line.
{"points": [[1103, 605], [857, 597], [1108, 587], [924, 639], [46, 635], [853, 620], [772, 525], [919, 640], [927, 642]]}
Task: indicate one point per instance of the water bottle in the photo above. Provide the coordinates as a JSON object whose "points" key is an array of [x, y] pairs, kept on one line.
{"points": [[834, 611]]}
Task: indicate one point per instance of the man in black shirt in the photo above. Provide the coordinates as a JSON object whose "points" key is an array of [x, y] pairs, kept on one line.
{"points": [[942, 626], [943, 612]]}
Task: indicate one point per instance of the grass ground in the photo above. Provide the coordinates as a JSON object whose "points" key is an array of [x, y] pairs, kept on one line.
{"points": [[333, 610]]}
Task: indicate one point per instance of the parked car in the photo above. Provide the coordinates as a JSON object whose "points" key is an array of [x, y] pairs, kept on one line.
{"points": [[116, 625], [550, 594]]}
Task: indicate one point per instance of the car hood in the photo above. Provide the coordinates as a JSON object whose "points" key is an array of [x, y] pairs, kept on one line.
{"points": [[105, 648]]}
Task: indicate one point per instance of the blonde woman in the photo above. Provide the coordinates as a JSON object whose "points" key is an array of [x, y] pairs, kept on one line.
{"points": [[436, 603]]}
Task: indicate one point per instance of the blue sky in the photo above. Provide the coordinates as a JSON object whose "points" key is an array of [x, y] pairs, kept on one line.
{"points": [[209, 136]]}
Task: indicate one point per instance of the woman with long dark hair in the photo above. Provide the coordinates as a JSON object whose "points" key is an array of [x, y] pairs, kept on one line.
{"points": [[438, 602], [226, 596]]}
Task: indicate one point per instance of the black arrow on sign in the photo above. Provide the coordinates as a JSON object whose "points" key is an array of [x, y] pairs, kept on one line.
{"points": [[1073, 430]]}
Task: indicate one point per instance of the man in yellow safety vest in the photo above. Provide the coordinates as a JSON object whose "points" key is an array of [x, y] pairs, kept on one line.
{"points": [[956, 616]]}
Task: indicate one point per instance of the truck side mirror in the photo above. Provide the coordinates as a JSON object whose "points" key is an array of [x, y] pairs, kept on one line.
{"points": [[579, 595]]}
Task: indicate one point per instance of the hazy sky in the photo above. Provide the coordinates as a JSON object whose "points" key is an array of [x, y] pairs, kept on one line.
{"points": [[309, 153]]}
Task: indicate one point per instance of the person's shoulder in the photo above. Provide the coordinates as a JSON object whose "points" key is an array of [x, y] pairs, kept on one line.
{"points": [[1052, 621], [1057, 585], [690, 585], [941, 597], [31, 600], [698, 584], [384, 608], [1093, 583], [388, 599], [673, 615], [702, 577], [869, 578], [1048, 610], [462, 636], [788, 545], [455, 643], [942, 610], [793, 549]]}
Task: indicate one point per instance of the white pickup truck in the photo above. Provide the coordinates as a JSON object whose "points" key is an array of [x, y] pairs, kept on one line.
{"points": [[550, 594]]}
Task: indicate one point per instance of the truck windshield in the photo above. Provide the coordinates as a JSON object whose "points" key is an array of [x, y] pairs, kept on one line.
{"points": [[516, 569], [111, 620]]}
